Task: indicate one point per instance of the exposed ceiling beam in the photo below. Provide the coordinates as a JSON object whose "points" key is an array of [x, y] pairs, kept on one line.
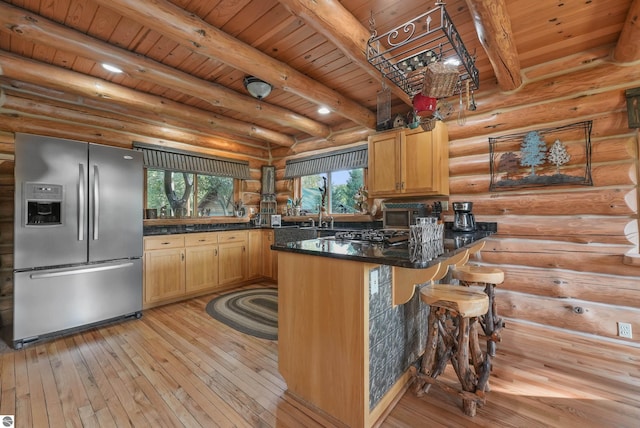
{"points": [[37, 107], [191, 31], [493, 26], [628, 46], [19, 68], [337, 24], [34, 28]]}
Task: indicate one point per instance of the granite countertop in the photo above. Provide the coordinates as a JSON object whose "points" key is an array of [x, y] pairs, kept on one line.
{"points": [[398, 255]]}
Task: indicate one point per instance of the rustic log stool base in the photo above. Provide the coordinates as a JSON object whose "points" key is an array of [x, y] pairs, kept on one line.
{"points": [[487, 277], [453, 336]]}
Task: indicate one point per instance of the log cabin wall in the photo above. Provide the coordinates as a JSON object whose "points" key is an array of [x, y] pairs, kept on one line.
{"points": [[567, 251]]}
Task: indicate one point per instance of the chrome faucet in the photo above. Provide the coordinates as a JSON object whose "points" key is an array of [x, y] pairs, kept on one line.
{"points": [[313, 222], [331, 220]]}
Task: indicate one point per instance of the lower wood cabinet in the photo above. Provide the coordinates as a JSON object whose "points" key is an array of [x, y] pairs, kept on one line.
{"points": [[181, 266], [269, 257], [255, 254], [164, 268], [232, 260], [201, 267]]}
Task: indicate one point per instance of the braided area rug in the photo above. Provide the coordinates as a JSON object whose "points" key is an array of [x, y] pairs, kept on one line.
{"points": [[253, 312]]}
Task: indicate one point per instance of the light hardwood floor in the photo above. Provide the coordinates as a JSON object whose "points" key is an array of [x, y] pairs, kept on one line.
{"points": [[179, 367]]}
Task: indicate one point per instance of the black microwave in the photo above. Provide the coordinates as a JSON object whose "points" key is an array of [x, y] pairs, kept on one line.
{"points": [[402, 217]]}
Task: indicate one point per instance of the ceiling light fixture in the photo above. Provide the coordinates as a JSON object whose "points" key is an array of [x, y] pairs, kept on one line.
{"points": [[257, 88], [324, 110], [111, 68]]}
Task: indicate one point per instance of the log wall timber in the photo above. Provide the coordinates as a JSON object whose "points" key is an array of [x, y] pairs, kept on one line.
{"points": [[25, 70], [6, 244], [563, 248]]}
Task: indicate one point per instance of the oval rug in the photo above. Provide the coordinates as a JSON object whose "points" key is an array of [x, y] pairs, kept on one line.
{"points": [[253, 312]]}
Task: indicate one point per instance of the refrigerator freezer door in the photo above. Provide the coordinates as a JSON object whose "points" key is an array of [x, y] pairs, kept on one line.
{"points": [[115, 203], [55, 162], [53, 300]]}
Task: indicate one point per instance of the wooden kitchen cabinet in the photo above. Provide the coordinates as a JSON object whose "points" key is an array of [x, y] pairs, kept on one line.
{"points": [[180, 266], [254, 254], [201, 269], [232, 257], [164, 268], [269, 257], [409, 162]]}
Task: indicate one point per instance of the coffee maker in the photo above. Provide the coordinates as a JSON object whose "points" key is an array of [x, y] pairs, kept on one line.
{"points": [[463, 220]]}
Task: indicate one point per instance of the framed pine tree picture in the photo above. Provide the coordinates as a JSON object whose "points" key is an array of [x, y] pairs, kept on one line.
{"points": [[543, 157]]}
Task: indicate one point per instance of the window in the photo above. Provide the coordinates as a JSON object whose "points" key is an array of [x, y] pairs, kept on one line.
{"points": [[187, 195], [341, 189]]}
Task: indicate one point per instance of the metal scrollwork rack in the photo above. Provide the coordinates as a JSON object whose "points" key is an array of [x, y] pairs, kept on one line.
{"points": [[403, 52]]}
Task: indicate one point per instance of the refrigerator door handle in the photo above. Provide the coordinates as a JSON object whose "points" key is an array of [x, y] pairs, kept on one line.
{"points": [[81, 204], [96, 202], [77, 271]]}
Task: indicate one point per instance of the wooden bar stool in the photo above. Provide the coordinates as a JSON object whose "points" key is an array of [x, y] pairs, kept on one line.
{"points": [[487, 277], [453, 337]]}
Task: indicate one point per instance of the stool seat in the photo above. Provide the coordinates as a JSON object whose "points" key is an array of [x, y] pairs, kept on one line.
{"points": [[464, 301], [484, 274], [488, 277]]}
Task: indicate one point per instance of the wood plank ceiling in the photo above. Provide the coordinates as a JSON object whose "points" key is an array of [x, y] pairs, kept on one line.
{"points": [[185, 60]]}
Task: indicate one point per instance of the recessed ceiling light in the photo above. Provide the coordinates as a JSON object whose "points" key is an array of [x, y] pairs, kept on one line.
{"points": [[324, 110], [111, 68]]}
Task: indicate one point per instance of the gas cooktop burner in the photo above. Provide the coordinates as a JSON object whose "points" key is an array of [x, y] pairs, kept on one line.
{"points": [[386, 236]]}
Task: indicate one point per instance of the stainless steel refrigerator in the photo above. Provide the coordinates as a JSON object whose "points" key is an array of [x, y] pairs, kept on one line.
{"points": [[77, 235]]}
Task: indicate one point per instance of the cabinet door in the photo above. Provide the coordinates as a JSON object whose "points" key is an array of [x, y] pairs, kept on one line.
{"points": [[163, 274], [384, 163], [419, 169], [232, 261], [201, 267], [425, 162], [254, 255], [267, 254]]}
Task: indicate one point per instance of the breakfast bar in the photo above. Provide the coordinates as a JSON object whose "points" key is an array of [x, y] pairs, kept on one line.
{"points": [[346, 340]]}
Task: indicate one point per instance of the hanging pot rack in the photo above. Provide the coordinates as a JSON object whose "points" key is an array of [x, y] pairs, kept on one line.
{"points": [[403, 53]]}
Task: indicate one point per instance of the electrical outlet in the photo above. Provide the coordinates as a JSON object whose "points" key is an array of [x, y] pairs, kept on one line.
{"points": [[445, 205], [374, 282], [624, 330]]}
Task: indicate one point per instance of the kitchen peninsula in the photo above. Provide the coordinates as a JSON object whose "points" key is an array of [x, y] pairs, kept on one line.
{"points": [[344, 347]]}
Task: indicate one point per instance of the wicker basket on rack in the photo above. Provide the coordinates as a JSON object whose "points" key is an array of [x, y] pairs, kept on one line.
{"points": [[428, 123], [440, 80]]}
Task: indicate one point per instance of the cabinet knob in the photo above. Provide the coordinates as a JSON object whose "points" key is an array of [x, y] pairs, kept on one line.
{"points": [[182, 255]]}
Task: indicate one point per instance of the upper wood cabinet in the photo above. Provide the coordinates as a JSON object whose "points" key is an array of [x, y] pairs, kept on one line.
{"points": [[409, 162]]}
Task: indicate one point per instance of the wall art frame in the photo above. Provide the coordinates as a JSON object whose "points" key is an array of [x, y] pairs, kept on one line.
{"points": [[557, 156], [268, 180]]}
